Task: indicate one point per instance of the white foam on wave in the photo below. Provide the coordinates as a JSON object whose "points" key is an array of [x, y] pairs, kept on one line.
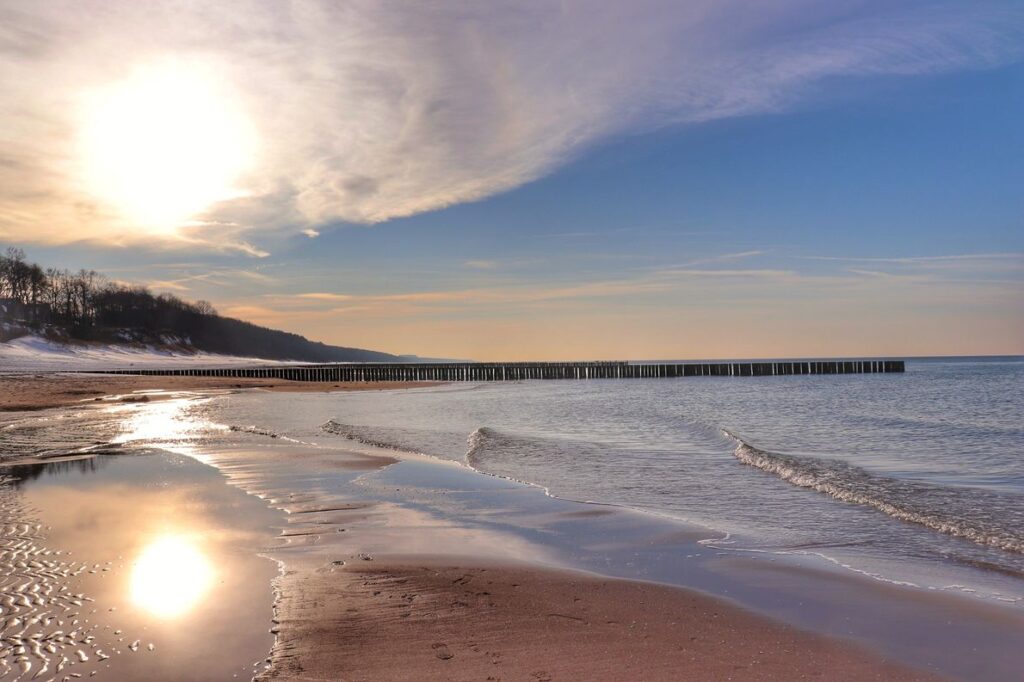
{"points": [[260, 431], [903, 500], [360, 435]]}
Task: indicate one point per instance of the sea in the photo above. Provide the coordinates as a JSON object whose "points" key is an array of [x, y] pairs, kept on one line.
{"points": [[915, 479]]}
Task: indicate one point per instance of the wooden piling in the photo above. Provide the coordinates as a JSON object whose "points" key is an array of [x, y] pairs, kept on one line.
{"points": [[517, 371]]}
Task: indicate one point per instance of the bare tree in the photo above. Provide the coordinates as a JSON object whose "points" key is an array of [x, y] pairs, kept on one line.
{"points": [[205, 308]]}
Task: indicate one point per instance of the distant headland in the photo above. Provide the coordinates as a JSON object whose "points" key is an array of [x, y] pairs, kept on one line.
{"points": [[86, 307]]}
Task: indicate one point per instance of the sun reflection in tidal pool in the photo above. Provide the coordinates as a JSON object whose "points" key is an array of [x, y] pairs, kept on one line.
{"points": [[161, 421], [170, 576]]}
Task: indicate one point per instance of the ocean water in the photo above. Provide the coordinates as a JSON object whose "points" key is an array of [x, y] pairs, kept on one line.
{"points": [[914, 478]]}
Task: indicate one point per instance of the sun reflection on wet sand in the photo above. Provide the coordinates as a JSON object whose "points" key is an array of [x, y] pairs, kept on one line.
{"points": [[134, 568], [167, 422], [170, 576]]}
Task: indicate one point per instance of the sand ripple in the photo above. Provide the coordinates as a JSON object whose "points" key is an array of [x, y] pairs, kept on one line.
{"points": [[45, 629]]}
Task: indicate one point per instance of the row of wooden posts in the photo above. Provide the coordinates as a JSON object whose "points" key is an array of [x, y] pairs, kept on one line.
{"points": [[518, 371]]}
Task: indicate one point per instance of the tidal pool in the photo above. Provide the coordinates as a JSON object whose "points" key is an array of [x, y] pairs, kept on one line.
{"points": [[133, 567]]}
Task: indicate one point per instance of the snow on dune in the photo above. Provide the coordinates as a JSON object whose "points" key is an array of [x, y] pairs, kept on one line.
{"points": [[36, 354]]}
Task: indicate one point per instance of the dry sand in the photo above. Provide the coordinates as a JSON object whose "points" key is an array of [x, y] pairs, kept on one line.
{"points": [[42, 391]]}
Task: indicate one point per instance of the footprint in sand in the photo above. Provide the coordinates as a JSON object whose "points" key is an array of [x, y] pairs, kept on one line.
{"points": [[441, 651]]}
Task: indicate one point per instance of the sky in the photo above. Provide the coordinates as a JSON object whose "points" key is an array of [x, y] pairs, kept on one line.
{"points": [[536, 180]]}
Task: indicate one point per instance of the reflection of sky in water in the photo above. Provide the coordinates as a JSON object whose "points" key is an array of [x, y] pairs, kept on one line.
{"points": [[169, 558]]}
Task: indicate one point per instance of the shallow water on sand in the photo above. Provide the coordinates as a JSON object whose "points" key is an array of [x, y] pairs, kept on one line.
{"points": [[132, 567], [345, 509], [914, 478]]}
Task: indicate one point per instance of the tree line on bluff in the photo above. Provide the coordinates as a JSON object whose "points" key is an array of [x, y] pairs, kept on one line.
{"points": [[87, 306], [83, 302]]}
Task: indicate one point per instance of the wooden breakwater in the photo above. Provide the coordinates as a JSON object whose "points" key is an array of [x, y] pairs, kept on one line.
{"points": [[519, 371]]}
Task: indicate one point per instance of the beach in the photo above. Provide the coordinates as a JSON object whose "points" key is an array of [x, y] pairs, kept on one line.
{"points": [[24, 392], [442, 619], [391, 564]]}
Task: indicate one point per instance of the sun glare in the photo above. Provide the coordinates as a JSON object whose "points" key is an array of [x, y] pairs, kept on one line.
{"points": [[170, 576], [164, 145]]}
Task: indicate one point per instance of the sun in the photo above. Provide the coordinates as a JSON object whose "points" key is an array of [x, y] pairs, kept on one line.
{"points": [[165, 144]]}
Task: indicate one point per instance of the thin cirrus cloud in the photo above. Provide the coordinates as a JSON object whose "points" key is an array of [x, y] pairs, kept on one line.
{"points": [[878, 308], [659, 281], [925, 275], [967, 260], [367, 111], [719, 296]]}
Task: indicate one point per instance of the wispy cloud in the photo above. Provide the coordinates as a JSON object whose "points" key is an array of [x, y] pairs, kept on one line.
{"points": [[208, 278], [635, 287], [687, 285], [794, 307], [927, 260], [879, 274], [723, 258], [182, 284], [323, 296], [978, 266], [368, 111]]}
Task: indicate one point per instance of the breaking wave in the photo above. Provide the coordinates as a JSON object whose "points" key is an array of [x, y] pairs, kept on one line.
{"points": [[477, 441], [508, 455], [399, 440], [984, 517], [255, 430]]}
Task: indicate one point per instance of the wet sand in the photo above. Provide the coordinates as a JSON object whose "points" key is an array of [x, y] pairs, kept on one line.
{"points": [[25, 392], [132, 567], [441, 620], [378, 590]]}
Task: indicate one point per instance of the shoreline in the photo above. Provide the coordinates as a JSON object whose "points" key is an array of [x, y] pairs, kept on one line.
{"points": [[371, 581], [454, 617], [371, 590], [403, 518]]}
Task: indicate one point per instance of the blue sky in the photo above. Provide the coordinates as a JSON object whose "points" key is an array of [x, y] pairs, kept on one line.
{"points": [[860, 211]]}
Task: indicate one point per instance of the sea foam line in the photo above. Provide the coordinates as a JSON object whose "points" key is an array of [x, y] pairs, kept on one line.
{"points": [[854, 485]]}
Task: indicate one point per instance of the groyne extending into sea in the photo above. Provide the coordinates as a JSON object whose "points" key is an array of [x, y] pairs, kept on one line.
{"points": [[518, 371]]}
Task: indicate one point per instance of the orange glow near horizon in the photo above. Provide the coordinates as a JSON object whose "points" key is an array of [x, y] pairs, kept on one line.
{"points": [[676, 335]]}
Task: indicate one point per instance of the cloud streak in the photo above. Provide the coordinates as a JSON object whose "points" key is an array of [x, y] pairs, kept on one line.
{"points": [[368, 111], [640, 287]]}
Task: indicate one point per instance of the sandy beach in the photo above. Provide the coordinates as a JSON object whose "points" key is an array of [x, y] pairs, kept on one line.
{"points": [[40, 391], [471, 620], [377, 586]]}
